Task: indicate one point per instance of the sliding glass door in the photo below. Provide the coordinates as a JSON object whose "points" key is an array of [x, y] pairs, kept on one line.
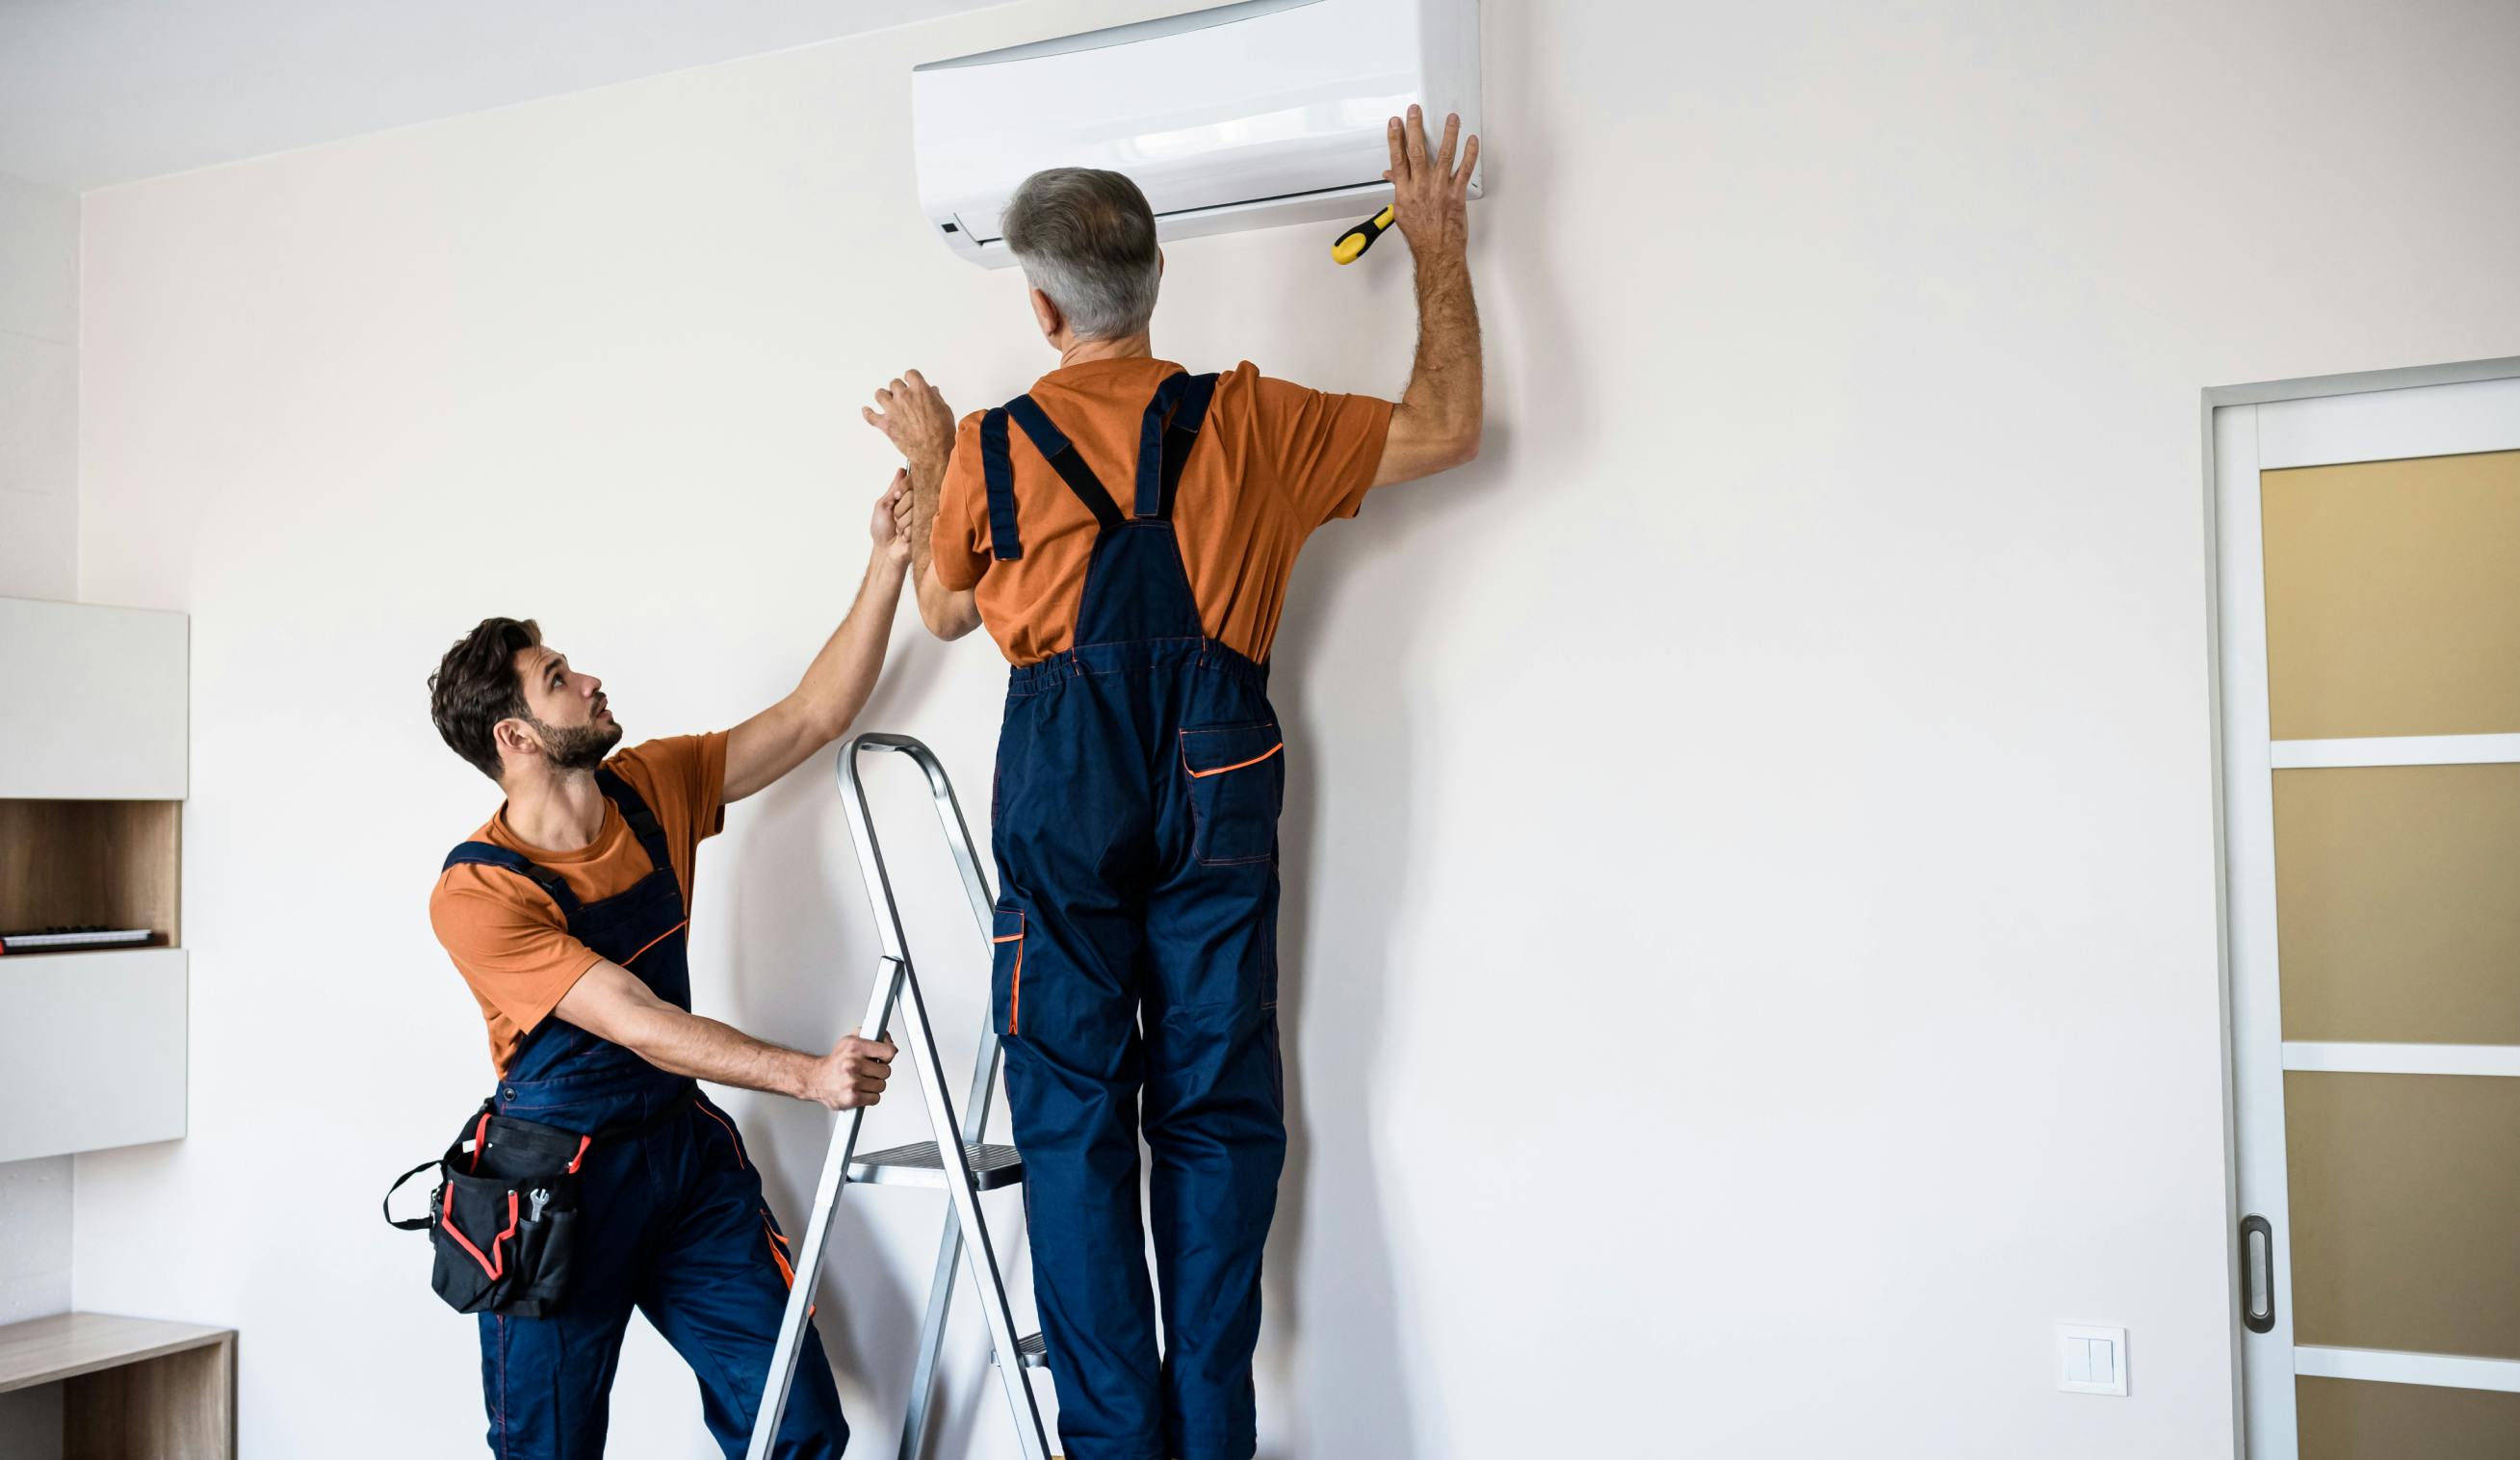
{"points": [[2368, 596]]}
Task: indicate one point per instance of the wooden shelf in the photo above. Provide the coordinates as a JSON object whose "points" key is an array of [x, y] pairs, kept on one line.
{"points": [[115, 864], [130, 1386]]}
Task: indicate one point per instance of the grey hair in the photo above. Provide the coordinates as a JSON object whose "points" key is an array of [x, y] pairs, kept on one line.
{"points": [[1086, 239]]}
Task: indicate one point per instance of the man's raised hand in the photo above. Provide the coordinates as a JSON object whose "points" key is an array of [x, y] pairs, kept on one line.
{"points": [[891, 527], [912, 415], [1430, 196]]}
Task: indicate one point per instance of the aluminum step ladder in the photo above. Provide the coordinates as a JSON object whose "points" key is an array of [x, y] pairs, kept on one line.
{"points": [[978, 1167]]}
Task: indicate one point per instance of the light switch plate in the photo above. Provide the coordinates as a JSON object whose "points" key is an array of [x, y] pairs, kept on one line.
{"points": [[2091, 1360]]}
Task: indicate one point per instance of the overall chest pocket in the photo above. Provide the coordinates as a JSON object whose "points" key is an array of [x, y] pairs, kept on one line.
{"points": [[1237, 782]]}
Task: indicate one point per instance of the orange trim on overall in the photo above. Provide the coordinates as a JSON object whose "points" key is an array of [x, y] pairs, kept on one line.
{"points": [[1014, 993], [776, 1256], [786, 1269], [1201, 775], [728, 1129], [658, 938], [497, 1262]]}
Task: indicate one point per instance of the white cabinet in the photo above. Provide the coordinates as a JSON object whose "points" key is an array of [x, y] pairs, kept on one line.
{"points": [[91, 1050], [93, 706], [94, 702]]}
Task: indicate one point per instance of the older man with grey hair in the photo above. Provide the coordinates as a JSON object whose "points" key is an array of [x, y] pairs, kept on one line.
{"points": [[1125, 531]]}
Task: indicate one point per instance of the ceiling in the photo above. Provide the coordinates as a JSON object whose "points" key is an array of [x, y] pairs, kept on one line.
{"points": [[99, 92]]}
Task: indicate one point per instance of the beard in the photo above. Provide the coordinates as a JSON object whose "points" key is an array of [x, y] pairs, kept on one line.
{"points": [[577, 747]]}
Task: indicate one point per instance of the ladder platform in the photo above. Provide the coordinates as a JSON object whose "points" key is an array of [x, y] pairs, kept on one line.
{"points": [[1032, 1349], [918, 1164]]}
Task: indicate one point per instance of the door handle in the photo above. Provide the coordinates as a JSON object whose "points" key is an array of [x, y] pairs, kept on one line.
{"points": [[2257, 1273]]}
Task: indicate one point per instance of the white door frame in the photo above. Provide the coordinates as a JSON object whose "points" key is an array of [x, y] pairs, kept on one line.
{"points": [[2247, 429]]}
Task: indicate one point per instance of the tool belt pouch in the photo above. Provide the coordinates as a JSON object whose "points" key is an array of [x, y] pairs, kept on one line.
{"points": [[502, 1220]]}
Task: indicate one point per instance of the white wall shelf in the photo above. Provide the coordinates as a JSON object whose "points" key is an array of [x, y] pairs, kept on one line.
{"points": [[94, 719], [95, 702], [92, 1051]]}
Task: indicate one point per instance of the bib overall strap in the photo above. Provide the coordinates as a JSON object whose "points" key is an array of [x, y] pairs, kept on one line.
{"points": [[1055, 447], [641, 821], [1169, 429], [997, 469], [554, 886]]}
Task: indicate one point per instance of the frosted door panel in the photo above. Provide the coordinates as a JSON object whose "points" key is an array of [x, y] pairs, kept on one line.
{"points": [[2398, 903], [2406, 1212], [2349, 1419], [2393, 597]]}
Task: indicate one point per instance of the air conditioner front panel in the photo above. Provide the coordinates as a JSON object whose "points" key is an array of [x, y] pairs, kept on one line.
{"points": [[1217, 110]]}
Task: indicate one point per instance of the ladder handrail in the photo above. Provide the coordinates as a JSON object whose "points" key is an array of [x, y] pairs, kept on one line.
{"points": [[949, 818]]}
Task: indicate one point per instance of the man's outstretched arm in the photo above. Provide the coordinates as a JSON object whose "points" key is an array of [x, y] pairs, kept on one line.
{"points": [[610, 1003], [1436, 424], [835, 686], [912, 415]]}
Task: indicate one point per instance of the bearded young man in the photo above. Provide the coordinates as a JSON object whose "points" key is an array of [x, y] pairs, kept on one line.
{"points": [[568, 915]]}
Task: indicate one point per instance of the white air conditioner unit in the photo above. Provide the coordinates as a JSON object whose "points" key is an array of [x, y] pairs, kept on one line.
{"points": [[1239, 116]]}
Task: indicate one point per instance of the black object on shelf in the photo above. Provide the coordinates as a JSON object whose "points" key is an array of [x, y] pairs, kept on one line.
{"points": [[64, 940]]}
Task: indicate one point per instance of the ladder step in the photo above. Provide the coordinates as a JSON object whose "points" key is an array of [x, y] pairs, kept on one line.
{"points": [[917, 1165], [1032, 1349]]}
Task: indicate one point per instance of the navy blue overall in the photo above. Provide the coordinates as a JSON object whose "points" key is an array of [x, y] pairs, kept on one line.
{"points": [[673, 1219], [1139, 780]]}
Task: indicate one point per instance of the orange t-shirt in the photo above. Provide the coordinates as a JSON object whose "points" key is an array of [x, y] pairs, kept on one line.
{"points": [[507, 938], [1272, 462]]}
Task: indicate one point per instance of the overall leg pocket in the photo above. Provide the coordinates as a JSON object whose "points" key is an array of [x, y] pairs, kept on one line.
{"points": [[1006, 967], [1238, 781], [780, 1253], [717, 1132]]}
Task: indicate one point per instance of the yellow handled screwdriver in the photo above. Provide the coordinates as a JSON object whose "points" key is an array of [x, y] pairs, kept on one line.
{"points": [[1351, 245]]}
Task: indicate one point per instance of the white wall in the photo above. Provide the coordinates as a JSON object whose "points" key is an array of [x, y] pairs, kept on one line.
{"points": [[1750, 947], [39, 288], [40, 245], [34, 1282], [34, 1238], [39, 285]]}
